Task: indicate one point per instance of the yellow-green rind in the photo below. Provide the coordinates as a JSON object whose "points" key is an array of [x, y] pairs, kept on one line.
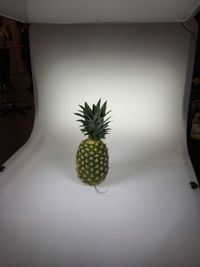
{"points": [[92, 161]]}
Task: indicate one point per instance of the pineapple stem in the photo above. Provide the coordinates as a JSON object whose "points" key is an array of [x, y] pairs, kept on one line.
{"points": [[99, 191], [93, 138]]}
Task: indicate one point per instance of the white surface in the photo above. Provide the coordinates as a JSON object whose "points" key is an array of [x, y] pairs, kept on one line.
{"points": [[149, 216], [76, 11]]}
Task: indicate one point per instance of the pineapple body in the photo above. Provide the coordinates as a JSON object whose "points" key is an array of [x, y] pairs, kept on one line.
{"points": [[92, 161]]}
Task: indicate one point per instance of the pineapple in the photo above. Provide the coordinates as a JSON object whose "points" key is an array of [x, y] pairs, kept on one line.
{"points": [[92, 160]]}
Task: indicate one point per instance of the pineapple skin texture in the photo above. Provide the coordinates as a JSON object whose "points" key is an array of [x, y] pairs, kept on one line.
{"points": [[92, 161]]}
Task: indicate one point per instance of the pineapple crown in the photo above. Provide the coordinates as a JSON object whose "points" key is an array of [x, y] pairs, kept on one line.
{"points": [[93, 122]]}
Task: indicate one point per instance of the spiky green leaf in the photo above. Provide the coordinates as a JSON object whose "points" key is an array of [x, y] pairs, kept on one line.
{"points": [[93, 122]]}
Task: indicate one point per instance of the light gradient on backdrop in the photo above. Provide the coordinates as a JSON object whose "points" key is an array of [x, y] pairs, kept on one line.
{"points": [[142, 84], [149, 216]]}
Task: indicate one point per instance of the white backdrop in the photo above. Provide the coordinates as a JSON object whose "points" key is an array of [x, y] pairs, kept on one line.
{"points": [[149, 216]]}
